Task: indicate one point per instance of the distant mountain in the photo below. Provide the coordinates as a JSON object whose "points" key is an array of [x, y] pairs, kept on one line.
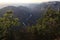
{"points": [[29, 14], [21, 12]]}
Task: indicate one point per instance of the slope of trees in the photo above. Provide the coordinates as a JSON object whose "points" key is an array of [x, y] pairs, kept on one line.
{"points": [[46, 28], [50, 24], [7, 21]]}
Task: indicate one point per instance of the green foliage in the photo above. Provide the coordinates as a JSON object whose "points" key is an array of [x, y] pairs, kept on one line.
{"points": [[7, 21], [48, 27], [50, 23]]}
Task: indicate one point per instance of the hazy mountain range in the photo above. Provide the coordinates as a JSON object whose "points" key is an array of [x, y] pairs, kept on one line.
{"points": [[31, 12]]}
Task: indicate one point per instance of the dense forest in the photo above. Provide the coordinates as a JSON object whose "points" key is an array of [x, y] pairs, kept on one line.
{"points": [[46, 28]]}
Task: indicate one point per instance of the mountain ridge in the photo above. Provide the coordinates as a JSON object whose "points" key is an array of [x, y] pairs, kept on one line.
{"points": [[29, 14]]}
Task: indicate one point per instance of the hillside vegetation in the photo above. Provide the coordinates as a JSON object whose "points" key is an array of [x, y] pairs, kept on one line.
{"points": [[46, 28]]}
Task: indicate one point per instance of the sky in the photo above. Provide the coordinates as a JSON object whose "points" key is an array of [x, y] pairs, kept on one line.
{"points": [[24, 1], [4, 3]]}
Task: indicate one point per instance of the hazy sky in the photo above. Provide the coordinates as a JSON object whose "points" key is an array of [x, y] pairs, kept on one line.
{"points": [[24, 1], [4, 3]]}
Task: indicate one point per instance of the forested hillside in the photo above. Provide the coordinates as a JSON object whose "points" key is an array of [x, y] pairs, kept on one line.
{"points": [[43, 26]]}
